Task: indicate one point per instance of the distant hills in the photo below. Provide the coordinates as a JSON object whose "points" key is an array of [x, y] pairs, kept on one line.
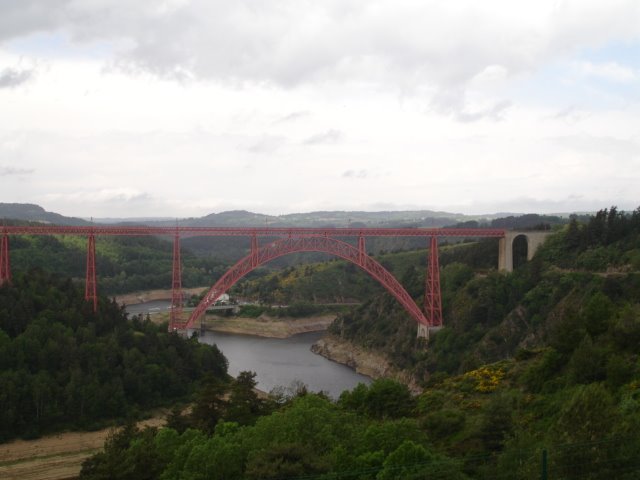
{"points": [[407, 218], [420, 218], [35, 213]]}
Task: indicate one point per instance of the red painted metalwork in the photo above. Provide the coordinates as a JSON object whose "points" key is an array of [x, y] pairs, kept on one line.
{"points": [[90, 289], [324, 244], [250, 231], [432, 297], [362, 251], [254, 251], [5, 265], [296, 240], [176, 285]]}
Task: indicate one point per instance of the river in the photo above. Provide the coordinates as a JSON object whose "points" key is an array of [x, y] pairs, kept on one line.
{"points": [[154, 306], [276, 361]]}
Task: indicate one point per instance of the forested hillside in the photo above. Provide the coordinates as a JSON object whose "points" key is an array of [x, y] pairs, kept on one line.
{"points": [[64, 366], [580, 284], [123, 264]]}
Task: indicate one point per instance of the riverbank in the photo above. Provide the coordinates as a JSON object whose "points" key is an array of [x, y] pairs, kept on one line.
{"points": [[266, 326], [363, 361], [56, 457], [151, 295]]}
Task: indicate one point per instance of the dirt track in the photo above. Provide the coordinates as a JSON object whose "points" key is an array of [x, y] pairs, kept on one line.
{"points": [[54, 457]]}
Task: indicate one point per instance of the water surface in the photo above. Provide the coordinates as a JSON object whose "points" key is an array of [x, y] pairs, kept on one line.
{"points": [[154, 306], [276, 361], [281, 361]]}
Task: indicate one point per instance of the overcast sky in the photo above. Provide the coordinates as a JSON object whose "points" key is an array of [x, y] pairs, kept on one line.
{"points": [[183, 108]]}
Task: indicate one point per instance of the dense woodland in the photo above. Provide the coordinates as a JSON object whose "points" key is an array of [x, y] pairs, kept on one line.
{"points": [[64, 366]]}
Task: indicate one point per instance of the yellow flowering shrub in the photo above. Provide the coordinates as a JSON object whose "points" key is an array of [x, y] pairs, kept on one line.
{"points": [[486, 378]]}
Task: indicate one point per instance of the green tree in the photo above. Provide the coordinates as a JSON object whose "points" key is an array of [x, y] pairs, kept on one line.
{"points": [[387, 398], [244, 405], [496, 423], [411, 461], [176, 420], [588, 415], [209, 406], [285, 461], [588, 362]]}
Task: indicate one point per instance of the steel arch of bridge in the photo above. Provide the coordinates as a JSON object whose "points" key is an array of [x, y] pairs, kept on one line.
{"points": [[285, 246]]}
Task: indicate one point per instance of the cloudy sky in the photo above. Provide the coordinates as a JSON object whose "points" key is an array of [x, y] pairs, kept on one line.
{"points": [[187, 107]]}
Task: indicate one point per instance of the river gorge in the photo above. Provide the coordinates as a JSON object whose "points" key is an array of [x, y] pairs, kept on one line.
{"points": [[278, 362]]}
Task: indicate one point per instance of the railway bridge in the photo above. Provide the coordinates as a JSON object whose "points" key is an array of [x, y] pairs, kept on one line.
{"points": [[269, 243]]}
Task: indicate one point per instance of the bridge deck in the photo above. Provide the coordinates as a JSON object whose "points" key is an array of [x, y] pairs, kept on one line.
{"points": [[250, 231]]}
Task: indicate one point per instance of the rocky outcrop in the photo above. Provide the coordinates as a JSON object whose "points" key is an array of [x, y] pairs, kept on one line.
{"points": [[363, 361]]}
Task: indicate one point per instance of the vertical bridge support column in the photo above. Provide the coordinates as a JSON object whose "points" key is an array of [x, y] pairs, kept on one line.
{"points": [[90, 290], [432, 296], [361, 250], [175, 320], [5, 265], [505, 253], [254, 251]]}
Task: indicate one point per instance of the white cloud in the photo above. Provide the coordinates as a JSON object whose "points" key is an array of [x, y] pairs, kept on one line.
{"points": [[292, 117], [292, 42], [358, 174], [102, 195], [13, 77], [284, 105], [329, 137], [611, 71], [266, 144], [7, 171]]}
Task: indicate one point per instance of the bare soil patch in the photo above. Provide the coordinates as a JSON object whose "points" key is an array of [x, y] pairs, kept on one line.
{"points": [[55, 457], [150, 295]]}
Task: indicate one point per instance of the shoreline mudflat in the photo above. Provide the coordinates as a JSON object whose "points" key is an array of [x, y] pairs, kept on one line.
{"points": [[151, 295], [266, 326]]}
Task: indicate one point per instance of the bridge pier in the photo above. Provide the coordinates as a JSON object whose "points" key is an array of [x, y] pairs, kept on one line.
{"points": [[505, 248], [5, 265], [176, 286], [432, 296], [423, 331], [90, 288]]}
